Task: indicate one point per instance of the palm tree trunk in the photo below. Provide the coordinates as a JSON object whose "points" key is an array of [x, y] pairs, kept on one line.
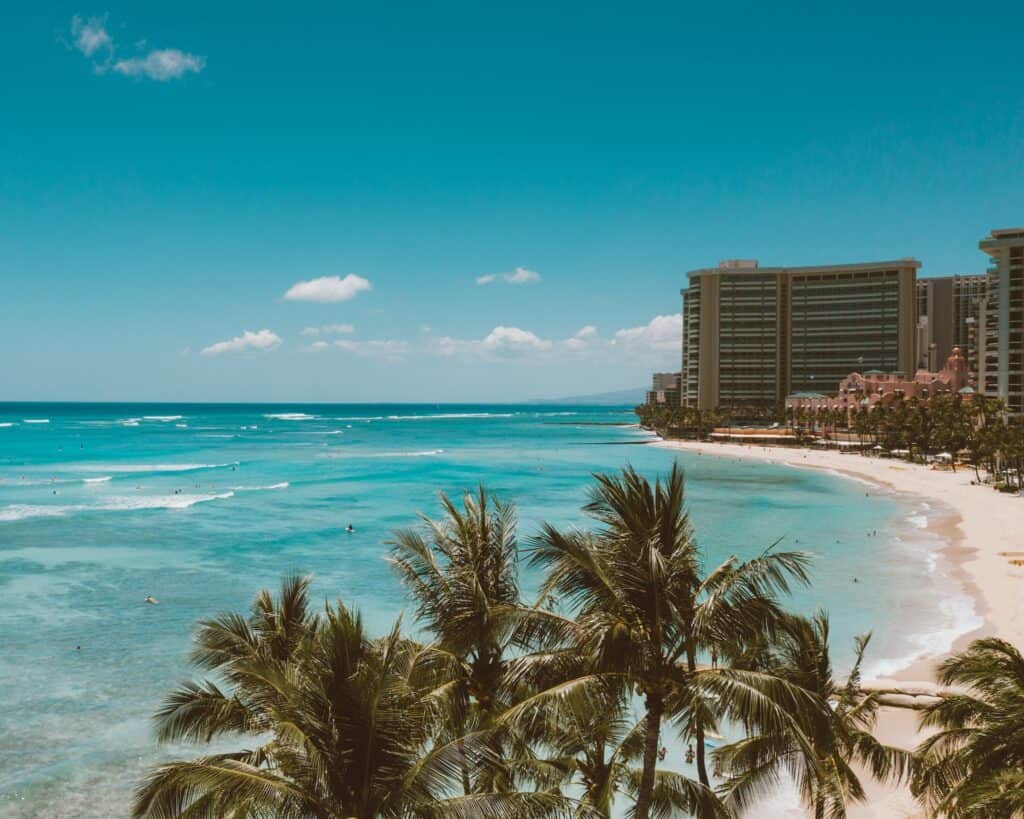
{"points": [[698, 729], [702, 767], [655, 709]]}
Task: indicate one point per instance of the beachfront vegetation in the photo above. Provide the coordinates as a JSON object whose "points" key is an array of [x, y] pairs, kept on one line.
{"points": [[975, 431], [972, 767], [823, 756], [561, 706]]}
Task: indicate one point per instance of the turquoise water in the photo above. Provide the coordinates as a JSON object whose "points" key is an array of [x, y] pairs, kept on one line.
{"points": [[199, 506]]}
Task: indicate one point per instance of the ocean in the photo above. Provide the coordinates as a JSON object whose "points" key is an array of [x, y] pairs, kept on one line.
{"points": [[200, 506]]}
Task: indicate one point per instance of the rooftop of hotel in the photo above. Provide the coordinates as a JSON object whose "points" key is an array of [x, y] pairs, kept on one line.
{"points": [[752, 266], [1001, 238], [1008, 233]]}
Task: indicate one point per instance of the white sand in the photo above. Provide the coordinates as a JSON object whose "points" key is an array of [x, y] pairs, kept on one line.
{"points": [[987, 534]]}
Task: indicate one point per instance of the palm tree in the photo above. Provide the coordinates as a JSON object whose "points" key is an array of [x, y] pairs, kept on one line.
{"points": [[462, 574], [973, 767], [592, 745], [645, 614], [342, 726], [821, 747]]}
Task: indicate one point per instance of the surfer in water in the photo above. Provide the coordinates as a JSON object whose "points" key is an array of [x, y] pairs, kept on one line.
{"points": [[350, 528], [151, 600]]}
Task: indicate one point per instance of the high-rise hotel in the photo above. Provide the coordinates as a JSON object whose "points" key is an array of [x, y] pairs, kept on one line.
{"points": [[1000, 336], [752, 335], [947, 313]]}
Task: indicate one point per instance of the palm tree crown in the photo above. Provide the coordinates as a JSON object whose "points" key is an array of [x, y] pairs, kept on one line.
{"points": [[973, 767], [342, 724], [644, 612], [819, 748]]}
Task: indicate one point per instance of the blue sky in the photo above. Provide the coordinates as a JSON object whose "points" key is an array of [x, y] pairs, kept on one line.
{"points": [[170, 171]]}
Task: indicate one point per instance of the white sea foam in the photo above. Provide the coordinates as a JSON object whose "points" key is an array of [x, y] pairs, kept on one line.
{"points": [[6, 424], [139, 468], [960, 618], [104, 479], [423, 453], [22, 511], [444, 416], [920, 521], [282, 485], [162, 417], [289, 416], [345, 453], [36, 420], [130, 503], [181, 426]]}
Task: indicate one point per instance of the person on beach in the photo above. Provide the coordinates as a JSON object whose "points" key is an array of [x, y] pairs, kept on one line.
{"points": [[689, 754]]}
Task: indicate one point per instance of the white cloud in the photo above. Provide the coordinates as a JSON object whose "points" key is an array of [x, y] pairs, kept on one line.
{"points": [[317, 346], [391, 349], [647, 343], [328, 288], [518, 276], [90, 35], [501, 341], [514, 340], [92, 39], [263, 340], [329, 329], [659, 334], [161, 64], [582, 338]]}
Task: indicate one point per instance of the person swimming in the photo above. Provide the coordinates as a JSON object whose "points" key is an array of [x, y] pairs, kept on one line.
{"points": [[151, 600], [350, 528]]}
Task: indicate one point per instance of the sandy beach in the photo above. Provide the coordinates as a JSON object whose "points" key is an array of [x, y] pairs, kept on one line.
{"points": [[983, 538]]}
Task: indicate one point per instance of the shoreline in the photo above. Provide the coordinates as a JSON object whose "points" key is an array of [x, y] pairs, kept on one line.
{"points": [[979, 540]]}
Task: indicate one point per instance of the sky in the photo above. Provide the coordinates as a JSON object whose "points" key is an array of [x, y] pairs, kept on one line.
{"points": [[475, 202]]}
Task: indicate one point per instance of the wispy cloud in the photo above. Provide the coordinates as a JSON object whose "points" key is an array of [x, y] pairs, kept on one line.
{"points": [[518, 276], [328, 289], [90, 36], [651, 342], [501, 342], [92, 39], [390, 349], [161, 65], [582, 338], [262, 340], [329, 329]]}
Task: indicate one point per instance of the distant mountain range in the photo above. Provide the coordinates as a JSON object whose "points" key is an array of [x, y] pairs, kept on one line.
{"points": [[630, 398]]}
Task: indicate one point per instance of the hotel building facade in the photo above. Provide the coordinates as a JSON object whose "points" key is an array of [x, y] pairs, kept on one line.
{"points": [[665, 390], [946, 309], [1000, 334], [753, 335]]}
